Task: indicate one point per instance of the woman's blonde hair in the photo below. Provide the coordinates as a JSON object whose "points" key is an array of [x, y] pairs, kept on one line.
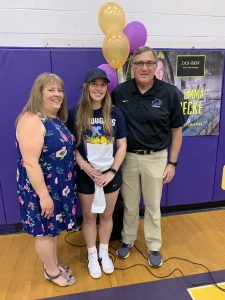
{"points": [[84, 114], [35, 101]]}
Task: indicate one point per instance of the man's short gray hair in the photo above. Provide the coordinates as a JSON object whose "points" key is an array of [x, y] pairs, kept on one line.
{"points": [[143, 49]]}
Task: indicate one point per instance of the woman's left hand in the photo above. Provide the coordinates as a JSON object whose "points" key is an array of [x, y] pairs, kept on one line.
{"points": [[104, 179]]}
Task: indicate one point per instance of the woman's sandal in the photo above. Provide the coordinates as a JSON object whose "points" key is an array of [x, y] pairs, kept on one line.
{"points": [[70, 281], [65, 270]]}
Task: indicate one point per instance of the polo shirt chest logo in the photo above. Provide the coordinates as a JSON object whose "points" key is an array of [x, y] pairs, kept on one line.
{"points": [[157, 103]]}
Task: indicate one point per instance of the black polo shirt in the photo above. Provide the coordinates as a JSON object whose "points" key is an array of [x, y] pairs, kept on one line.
{"points": [[149, 116]]}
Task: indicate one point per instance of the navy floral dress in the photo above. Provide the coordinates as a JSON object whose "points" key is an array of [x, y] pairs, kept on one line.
{"points": [[57, 161]]}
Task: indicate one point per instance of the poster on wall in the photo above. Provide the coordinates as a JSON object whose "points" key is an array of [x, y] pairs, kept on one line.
{"points": [[198, 77]]}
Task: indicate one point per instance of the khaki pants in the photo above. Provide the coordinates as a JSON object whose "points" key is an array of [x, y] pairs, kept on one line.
{"points": [[143, 173]]}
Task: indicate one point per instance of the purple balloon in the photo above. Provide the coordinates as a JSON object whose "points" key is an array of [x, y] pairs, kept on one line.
{"points": [[111, 74], [136, 34]]}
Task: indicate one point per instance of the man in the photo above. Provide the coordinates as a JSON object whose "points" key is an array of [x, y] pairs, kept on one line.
{"points": [[154, 119]]}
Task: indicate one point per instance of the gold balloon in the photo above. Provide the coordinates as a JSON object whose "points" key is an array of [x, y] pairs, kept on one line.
{"points": [[116, 49], [111, 18]]}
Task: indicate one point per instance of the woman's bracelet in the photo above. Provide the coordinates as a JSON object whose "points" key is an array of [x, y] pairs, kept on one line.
{"points": [[82, 166]]}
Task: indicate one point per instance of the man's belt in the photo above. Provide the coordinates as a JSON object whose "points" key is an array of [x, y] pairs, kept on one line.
{"points": [[144, 152]]}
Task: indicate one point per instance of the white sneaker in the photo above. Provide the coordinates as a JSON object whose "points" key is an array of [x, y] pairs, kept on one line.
{"points": [[107, 264], [93, 265]]}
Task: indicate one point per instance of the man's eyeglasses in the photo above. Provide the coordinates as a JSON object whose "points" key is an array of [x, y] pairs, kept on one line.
{"points": [[140, 64]]}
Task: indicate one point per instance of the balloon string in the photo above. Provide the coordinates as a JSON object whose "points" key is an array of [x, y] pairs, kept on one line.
{"points": [[128, 67]]}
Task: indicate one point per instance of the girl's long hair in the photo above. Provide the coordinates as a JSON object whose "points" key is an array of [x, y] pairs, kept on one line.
{"points": [[85, 113], [35, 101]]}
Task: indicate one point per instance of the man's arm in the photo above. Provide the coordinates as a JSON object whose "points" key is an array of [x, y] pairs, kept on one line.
{"points": [[176, 140]]}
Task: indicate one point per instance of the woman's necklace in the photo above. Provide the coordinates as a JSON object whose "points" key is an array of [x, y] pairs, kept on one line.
{"points": [[68, 137]]}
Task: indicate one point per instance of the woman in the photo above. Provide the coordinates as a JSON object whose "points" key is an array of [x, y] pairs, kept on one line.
{"points": [[101, 141], [164, 69], [45, 172]]}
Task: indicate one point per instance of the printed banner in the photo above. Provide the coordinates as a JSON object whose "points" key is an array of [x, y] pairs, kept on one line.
{"points": [[198, 76]]}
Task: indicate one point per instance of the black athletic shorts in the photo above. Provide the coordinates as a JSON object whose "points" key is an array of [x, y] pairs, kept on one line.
{"points": [[85, 185]]}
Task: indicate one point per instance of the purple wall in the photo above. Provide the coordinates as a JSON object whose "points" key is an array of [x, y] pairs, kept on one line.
{"points": [[195, 173], [2, 211], [198, 176], [71, 65], [164, 195], [219, 194], [19, 68]]}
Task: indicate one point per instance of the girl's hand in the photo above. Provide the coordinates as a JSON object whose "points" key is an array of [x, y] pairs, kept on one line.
{"points": [[104, 179], [90, 171]]}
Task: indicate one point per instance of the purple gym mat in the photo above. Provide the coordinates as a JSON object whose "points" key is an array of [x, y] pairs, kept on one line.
{"points": [[168, 289]]}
